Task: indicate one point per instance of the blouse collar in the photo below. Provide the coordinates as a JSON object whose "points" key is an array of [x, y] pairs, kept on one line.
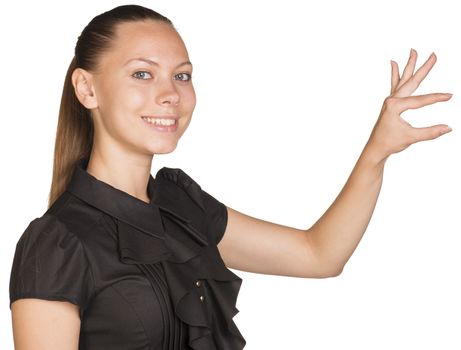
{"points": [[140, 225], [143, 216]]}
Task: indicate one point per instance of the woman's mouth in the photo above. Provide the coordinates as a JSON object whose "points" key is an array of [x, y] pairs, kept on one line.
{"points": [[164, 124]]}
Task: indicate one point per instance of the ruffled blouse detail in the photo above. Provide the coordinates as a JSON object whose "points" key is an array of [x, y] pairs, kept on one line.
{"points": [[179, 241]]}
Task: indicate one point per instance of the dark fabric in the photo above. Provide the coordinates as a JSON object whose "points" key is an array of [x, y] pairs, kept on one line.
{"points": [[144, 275]]}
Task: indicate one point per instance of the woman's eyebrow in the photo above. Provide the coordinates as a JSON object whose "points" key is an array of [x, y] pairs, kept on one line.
{"points": [[146, 60]]}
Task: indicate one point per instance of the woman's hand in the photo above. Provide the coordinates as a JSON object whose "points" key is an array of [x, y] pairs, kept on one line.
{"points": [[392, 134]]}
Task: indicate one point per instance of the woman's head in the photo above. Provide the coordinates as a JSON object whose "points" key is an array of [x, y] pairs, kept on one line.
{"points": [[129, 63]]}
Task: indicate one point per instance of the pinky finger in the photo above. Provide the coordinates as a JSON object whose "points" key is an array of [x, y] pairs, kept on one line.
{"points": [[394, 76]]}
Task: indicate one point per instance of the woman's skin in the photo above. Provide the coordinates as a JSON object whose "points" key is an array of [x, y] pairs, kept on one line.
{"points": [[323, 249], [118, 95]]}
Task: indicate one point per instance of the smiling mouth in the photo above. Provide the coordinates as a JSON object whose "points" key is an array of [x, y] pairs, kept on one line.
{"points": [[164, 121], [163, 124]]}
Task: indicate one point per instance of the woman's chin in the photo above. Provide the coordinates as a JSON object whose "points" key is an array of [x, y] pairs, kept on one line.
{"points": [[163, 148]]}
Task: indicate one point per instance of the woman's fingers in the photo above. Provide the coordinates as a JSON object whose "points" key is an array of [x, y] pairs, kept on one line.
{"points": [[409, 68], [412, 84], [422, 72], [394, 76], [392, 133], [414, 102], [428, 132]]}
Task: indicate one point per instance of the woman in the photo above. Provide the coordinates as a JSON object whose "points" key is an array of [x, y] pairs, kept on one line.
{"points": [[123, 260]]}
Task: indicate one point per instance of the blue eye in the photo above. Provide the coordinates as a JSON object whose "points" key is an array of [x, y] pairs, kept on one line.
{"points": [[180, 76], [138, 75], [183, 76]]}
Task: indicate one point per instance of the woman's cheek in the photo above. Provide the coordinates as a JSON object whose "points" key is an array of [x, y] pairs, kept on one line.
{"points": [[134, 98], [189, 99]]}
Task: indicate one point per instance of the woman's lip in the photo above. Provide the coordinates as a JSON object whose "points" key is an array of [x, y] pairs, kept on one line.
{"points": [[163, 128]]}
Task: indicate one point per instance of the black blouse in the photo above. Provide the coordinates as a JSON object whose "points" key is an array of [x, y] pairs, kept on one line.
{"points": [[144, 275]]}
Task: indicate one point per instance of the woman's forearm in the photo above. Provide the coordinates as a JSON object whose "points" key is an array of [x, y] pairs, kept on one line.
{"points": [[334, 237], [337, 233]]}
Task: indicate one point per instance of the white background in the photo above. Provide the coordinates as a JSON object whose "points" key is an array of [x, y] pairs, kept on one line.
{"points": [[288, 92]]}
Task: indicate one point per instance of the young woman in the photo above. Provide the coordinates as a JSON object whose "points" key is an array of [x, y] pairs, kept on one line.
{"points": [[123, 260]]}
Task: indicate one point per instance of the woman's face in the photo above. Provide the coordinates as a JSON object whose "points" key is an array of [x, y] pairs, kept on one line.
{"points": [[146, 73]]}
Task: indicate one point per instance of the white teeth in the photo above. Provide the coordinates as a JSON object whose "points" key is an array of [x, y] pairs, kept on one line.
{"points": [[159, 121]]}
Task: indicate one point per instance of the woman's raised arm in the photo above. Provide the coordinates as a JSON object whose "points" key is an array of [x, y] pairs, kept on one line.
{"points": [[255, 245]]}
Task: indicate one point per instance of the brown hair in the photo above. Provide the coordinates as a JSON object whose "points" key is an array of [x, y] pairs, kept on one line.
{"points": [[74, 134]]}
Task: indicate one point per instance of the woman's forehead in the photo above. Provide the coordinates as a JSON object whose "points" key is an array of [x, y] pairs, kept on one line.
{"points": [[146, 32], [154, 40]]}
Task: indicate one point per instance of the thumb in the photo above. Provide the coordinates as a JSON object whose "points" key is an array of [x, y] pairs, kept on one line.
{"points": [[429, 132]]}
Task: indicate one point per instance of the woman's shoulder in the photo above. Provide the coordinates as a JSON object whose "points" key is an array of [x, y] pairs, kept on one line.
{"points": [[46, 233], [45, 251], [176, 175], [75, 216], [176, 182], [186, 189], [59, 232]]}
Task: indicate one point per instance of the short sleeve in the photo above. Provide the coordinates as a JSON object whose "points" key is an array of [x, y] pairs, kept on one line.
{"points": [[216, 214], [50, 263]]}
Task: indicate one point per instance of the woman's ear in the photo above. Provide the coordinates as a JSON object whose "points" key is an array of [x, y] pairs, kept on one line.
{"points": [[84, 90]]}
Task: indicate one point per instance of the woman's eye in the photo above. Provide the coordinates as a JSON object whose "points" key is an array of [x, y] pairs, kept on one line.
{"points": [[183, 76], [143, 75], [137, 76]]}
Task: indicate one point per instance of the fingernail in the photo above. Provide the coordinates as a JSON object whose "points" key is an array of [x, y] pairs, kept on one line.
{"points": [[446, 129], [447, 94]]}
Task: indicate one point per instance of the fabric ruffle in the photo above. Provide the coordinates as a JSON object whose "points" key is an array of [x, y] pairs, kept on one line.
{"points": [[187, 256]]}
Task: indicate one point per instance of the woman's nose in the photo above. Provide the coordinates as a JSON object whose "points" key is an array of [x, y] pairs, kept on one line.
{"points": [[167, 93]]}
